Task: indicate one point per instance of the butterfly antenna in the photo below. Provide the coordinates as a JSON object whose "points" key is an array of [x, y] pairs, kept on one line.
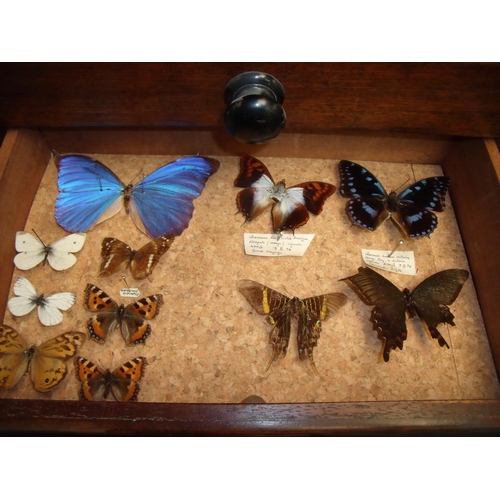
{"points": [[405, 182], [41, 241]]}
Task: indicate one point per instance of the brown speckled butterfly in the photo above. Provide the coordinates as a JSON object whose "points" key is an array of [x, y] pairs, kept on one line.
{"points": [[45, 362], [429, 300], [117, 255], [280, 310], [131, 318], [291, 206], [122, 383]]}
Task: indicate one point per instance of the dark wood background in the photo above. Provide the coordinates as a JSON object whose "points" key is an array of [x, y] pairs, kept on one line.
{"points": [[454, 99]]}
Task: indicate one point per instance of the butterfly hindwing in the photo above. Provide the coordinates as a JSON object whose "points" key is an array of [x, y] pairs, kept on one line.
{"points": [[46, 363], [122, 383], [131, 318], [117, 255], [291, 206], [370, 205], [280, 310], [311, 312], [162, 203]]}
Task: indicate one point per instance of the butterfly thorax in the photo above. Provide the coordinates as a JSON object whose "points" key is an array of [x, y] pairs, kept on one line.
{"points": [[278, 191], [392, 202], [127, 194], [410, 307]]}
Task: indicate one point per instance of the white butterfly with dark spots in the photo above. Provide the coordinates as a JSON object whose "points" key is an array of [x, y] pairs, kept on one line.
{"points": [[49, 308], [59, 255]]}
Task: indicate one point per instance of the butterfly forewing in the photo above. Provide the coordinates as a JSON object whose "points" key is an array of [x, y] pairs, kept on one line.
{"points": [[13, 360], [251, 172], [358, 182]]}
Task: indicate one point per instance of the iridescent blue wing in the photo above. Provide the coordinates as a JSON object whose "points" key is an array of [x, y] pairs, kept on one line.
{"points": [[89, 193], [162, 203]]}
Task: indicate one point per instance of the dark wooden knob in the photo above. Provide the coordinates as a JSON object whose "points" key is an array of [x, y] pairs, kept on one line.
{"points": [[255, 113]]}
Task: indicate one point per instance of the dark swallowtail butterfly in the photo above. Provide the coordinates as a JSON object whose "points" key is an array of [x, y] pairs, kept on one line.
{"points": [[429, 300], [411, 210], [291, 206], [280, 310]]}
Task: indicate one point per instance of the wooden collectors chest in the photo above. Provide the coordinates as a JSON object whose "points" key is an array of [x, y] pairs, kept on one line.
{"points": [[446, 114]]}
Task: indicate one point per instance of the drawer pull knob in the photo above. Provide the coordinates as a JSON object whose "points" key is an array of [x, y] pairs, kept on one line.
{"points": [[255, 114]]}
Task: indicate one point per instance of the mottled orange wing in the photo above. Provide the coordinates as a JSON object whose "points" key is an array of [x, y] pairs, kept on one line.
{"points": [[134, 328]]}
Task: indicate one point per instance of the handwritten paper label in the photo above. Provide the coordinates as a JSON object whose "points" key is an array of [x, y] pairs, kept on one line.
{"points": [[398, 262], [130, 292], [273, 245]]}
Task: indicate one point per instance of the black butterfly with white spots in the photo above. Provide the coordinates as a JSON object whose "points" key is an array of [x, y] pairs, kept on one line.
{"points": [[411, 210]]}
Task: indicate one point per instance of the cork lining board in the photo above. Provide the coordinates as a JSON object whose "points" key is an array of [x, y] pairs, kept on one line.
{"points": [[209, 346]]}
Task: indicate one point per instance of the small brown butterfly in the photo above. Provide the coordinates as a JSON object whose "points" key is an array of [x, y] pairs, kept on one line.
{"points": [[122, 383], [291, 206], [45, 362], [280, 310], [131, 318], [117, 255]]}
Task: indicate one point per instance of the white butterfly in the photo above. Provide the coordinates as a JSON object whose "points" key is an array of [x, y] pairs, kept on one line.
{"points": [[48, 307], [59, 254]]}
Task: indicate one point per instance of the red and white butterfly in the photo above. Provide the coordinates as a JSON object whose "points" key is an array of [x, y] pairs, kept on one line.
{"points": [[49, 308], [291, 206], [131, 318], [117, 255], [122, 383], [59, 255]]}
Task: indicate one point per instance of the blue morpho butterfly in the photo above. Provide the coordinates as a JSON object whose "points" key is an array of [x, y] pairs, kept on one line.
{"points": [[161, 203], [411, 210]]}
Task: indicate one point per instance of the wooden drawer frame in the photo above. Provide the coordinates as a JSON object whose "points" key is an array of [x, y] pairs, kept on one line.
{"points": [[473, 166]]}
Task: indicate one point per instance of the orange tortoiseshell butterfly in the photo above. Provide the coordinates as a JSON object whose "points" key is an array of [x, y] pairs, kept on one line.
{"points": [[122, 383], [117, 255], [131, 318], [291, 206]]}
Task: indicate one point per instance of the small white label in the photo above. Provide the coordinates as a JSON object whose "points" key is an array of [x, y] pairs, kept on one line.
{"points": [[398, 262], [274, 245], [132, 293]]}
